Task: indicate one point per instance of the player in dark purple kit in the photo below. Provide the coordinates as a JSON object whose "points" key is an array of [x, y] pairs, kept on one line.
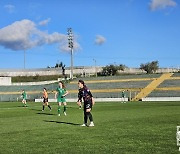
{"points": [[85, 94]]}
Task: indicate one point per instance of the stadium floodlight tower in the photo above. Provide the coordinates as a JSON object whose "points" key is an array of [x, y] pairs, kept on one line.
{"points": [[70, 45]]}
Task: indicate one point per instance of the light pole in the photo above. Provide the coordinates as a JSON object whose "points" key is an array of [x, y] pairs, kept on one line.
{"points": [[95, 66], [70, 45]]}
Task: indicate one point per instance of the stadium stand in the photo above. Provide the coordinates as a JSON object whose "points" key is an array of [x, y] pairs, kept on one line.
{"points": [[13, 93], [169, 88], [101, 87]]}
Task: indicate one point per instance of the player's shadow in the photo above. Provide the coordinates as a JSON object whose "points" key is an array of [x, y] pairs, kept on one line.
{"points": [[43, 113], [22, 106], [36, 109], [62, 122]]}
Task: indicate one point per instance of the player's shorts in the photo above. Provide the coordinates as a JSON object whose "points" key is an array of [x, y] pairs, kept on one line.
{"points": [[88, 104], [45, 100], [59, 99]]}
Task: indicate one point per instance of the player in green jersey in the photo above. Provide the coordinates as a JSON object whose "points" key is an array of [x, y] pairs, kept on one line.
{"points": [[60, 94], [123, 95], [24, 97]]}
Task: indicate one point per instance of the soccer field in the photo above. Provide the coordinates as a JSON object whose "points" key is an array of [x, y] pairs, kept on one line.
{"points": [[133, 127]]}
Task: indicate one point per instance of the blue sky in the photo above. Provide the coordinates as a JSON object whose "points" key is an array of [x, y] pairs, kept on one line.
{"points": [[128, 32]]}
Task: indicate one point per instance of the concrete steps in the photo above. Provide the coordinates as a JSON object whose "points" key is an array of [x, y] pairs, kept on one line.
{"points": [[153, 85]]}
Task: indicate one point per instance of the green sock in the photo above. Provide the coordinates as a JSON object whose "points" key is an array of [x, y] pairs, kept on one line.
{"points": [[64, 108], [59, 109]]}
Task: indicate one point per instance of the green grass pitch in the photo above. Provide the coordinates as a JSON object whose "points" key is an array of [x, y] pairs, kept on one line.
{"points": [[133, 127]]}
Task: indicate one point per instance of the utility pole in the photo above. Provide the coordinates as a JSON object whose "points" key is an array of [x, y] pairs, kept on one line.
{"points": [[95, 67], [70, 45]]}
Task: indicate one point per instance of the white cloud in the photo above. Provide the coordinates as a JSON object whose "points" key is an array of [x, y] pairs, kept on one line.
{"points": [[10, 8], [44, 22], [161, 4], [24, 35], [100, 39], [17, 35]]}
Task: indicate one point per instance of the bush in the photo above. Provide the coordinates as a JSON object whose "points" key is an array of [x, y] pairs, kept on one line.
{"points": [[150, 67], [111, 70]]}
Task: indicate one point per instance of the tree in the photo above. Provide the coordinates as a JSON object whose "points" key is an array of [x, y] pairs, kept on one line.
{"points": [[63, 69], [122, 67], [111, 70], [58, 65], [150, 67]]}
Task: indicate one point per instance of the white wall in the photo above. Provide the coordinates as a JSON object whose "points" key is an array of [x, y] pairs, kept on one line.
{"points": [[161, 99], [5, 81], [77, 70], [30, 72], [95, 99], [148, 99]]}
